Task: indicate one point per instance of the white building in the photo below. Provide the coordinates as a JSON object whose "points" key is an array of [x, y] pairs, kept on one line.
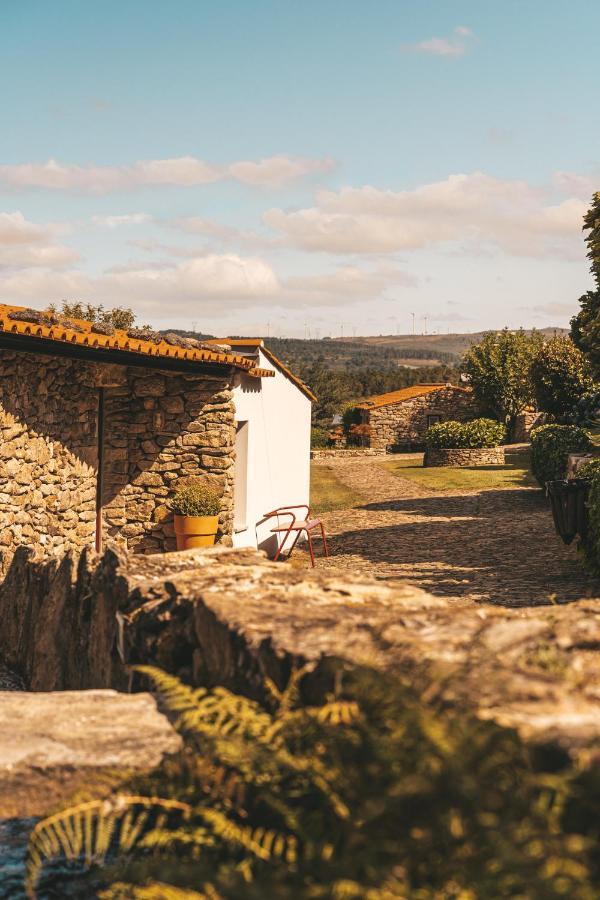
{"points": [[272, 467]]}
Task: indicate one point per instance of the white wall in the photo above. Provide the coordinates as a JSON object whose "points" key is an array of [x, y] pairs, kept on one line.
{"points": [[278, 449]]}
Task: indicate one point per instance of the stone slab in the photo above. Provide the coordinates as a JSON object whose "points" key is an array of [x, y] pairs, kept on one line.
{"points": [[51, 744]]}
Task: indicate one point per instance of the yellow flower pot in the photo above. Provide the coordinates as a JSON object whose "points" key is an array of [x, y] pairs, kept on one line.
{"points": [[195, 531]]}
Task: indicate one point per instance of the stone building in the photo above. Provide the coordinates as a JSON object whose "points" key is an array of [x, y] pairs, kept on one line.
{"points": [[98, 426], [400, 419]]}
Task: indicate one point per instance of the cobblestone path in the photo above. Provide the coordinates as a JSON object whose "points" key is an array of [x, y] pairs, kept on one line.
{"points": [[496, 545]]}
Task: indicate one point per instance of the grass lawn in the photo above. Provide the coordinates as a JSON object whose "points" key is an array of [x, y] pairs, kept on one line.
{"points": [[515, 474], [327, 492]]}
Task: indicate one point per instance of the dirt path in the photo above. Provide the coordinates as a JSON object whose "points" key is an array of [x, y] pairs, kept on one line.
{"points": [[496, 545]]}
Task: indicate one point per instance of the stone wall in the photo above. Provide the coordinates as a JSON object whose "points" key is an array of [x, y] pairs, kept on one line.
{"points": [[403, 425], [48, 452], [343, 452], [523, 424], [463, 458], [160, 428], [231, 617]]}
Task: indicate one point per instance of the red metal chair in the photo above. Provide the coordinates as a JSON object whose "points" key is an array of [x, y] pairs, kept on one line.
{"points": [[306, 525]]}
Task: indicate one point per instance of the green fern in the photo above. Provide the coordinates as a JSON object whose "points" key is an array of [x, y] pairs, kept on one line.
{"points": [[86, 831], [156, 891]]}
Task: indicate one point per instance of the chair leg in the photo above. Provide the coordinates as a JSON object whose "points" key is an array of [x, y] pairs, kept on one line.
{"points": [[294, 544], [280, 547], [310, 547], [325, 546]]}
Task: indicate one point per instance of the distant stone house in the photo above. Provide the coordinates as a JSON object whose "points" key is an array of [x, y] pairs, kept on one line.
{"points": [[98, 427], [400, 419]]}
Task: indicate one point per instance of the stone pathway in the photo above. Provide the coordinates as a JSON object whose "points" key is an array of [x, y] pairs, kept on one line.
{"points": [[497, 545]]}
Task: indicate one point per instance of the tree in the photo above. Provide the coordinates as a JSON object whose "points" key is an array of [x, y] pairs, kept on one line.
{"points": [[499, 368], [119, 317], [585, 326], [561, 376]]}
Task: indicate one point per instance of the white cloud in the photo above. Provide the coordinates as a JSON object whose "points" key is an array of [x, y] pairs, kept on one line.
{"points": [[126, 219], [156, 292], [222, 235], [185, 171], [24, 243], [455, 45], [346, 285], [278, 170], [474, 211], [581, 186]]}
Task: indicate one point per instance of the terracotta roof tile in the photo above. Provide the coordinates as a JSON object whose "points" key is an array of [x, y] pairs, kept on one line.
{"points": [[258, 343], [408, 393], [80, 332]]}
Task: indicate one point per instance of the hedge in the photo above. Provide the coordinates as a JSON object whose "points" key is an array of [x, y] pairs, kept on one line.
{"points": [[319, 438], [550, 449], [590, 543], [464, 435]]}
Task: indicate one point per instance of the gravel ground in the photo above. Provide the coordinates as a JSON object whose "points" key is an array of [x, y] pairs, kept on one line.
{"points": [[495, 546]]}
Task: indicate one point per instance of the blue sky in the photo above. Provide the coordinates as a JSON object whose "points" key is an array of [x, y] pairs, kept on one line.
{"points": [[300, 166]]}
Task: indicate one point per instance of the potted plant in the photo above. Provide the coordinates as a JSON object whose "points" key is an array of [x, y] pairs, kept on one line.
{"points": [[196, 507], [568, 499]]}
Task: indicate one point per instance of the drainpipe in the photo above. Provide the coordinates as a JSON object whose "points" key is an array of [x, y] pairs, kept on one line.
{"points": [[99, 477]]}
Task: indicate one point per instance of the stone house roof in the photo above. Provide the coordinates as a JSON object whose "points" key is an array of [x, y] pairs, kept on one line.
{"points": [[46, 332], [258, 343], [408, 393]]}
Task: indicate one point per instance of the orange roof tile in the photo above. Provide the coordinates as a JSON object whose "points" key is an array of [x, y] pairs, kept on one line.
{"points": [[258, 343], [79, 332], [408, 393]]}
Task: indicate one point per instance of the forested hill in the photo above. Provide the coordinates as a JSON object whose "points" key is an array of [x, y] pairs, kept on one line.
{"points": [[344, 371]]}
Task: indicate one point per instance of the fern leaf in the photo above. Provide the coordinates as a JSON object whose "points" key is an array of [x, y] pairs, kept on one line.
{"points": [[155, 891], [86, 831], [262, 843]]}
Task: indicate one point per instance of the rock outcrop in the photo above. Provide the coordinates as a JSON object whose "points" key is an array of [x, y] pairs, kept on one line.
{"points": [[230, 616], [52, 745]]}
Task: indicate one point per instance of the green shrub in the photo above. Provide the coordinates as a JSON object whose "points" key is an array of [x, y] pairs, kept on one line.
{"points": [[561, 377], [550, 448], [196, 499], [589, 469], [379, 794], [590, 544], [464, 435], [318, 438]]}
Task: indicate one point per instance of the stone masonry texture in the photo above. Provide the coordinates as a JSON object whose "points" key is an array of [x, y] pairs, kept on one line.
{"points": [[230, 617], [403, 425], [465, 457], [160, 429]]}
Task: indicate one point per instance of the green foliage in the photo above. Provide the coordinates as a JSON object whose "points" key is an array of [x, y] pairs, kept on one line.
{"points": [[561, 377], [590, 544], [478, 433], [585, 326], [119, 317], [499, 368], [588, 469], [377, 795], [550, 449], [591, 224], [318, 438], [196, 499], [350, 416]]}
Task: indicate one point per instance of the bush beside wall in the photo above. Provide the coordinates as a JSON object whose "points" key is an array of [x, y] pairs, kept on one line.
{"points": [[550, 449], [465, 435]]}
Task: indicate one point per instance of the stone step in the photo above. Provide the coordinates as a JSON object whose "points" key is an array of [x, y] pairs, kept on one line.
{"points": [[52, 744]]}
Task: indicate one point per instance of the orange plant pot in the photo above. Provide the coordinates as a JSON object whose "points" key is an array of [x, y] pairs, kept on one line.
{"points": [[195, 531]]}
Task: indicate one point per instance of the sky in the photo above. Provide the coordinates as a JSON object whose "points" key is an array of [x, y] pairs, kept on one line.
{"points": [[300, 169]]}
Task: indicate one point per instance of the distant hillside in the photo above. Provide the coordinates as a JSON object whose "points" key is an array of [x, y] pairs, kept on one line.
{"points": [[383, 352], [452, 344]]}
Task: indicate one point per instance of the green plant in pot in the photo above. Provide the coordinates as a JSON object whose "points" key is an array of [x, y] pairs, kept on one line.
{"points": [[196, 507]]}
